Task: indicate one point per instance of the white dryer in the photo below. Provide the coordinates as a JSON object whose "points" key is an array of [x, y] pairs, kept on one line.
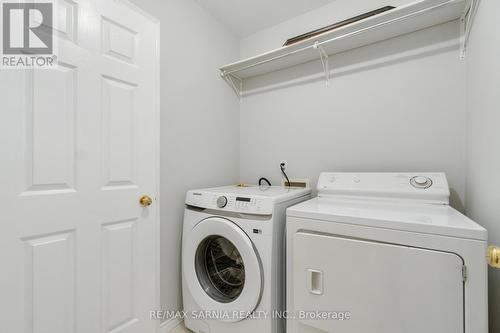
{"points": [[387, 249], [233, 258]]}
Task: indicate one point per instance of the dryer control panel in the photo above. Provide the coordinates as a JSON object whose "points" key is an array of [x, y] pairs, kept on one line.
{"points": [[421, 187]]}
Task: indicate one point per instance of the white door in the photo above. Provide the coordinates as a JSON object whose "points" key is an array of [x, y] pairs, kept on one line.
{"points": [[386, 288], [78, 149]]}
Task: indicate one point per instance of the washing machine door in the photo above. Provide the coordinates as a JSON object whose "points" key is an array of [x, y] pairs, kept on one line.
{"points": [[222, 269]]}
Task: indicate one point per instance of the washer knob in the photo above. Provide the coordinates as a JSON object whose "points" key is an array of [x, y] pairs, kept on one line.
{"points": [[221, 202], [421, 182]]}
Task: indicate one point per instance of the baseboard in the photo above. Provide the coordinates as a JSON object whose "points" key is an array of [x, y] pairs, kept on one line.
{"points": [[169, 325]]}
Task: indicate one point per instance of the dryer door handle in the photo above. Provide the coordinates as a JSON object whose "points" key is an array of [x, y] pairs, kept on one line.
{"points": [[315, 281]]}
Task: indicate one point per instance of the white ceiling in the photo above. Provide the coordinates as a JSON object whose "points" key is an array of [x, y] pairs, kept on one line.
{"points": [[245, 17]]}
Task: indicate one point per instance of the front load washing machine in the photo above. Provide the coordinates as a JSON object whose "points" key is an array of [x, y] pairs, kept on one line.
{"points": [[385, 253], [233, 258]]}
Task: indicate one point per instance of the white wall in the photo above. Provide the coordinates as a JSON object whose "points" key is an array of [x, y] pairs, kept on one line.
{"points": [[483, 153], [199, 121], [337, 10], [398, 105]]}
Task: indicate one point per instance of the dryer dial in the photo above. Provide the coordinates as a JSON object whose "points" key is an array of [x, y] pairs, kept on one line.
{"points": [[421, 182]]}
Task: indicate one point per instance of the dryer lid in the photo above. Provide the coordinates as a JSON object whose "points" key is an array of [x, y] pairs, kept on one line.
{"points": [[413, 217]]}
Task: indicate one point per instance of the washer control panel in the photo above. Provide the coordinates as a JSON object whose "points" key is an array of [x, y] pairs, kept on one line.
{"points": [[420, 187], [230, 202], [221, 201]]}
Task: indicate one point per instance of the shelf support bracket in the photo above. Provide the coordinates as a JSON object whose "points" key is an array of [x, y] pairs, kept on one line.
{"points": [[324, 61], [235, 82], [466, 21]]}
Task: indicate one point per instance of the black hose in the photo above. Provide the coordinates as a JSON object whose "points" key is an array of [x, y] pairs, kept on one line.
{"points": [[265, 180], [282, 167]]}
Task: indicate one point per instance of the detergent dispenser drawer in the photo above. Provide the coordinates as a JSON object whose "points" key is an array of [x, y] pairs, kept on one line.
{"points": [[384, 288]]}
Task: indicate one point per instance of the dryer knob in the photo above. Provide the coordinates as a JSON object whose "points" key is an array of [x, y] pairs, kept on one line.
{"points": [[421, 182], [221, 202]]}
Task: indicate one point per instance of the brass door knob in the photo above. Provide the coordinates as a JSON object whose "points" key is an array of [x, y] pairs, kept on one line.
{"points": [[494, 256], [145, 201]]}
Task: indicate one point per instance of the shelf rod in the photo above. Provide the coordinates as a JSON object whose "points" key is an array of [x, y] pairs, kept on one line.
{"points": [[305, 48], [350, 34]]}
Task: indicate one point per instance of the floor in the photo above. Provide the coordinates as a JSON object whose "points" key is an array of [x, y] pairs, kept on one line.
{"points": [[180, 329]]}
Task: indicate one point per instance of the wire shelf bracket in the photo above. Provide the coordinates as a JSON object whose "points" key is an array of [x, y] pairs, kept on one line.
{"points": [[324, 61], [234, 82], [466, 21]]}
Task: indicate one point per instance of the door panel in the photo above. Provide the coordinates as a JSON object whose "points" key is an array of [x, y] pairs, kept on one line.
{"points": [[118, 274], [50, 275], [66, 23], [118, 133], [50, 132], [386, 288], [118, 41], [79, 148]]}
